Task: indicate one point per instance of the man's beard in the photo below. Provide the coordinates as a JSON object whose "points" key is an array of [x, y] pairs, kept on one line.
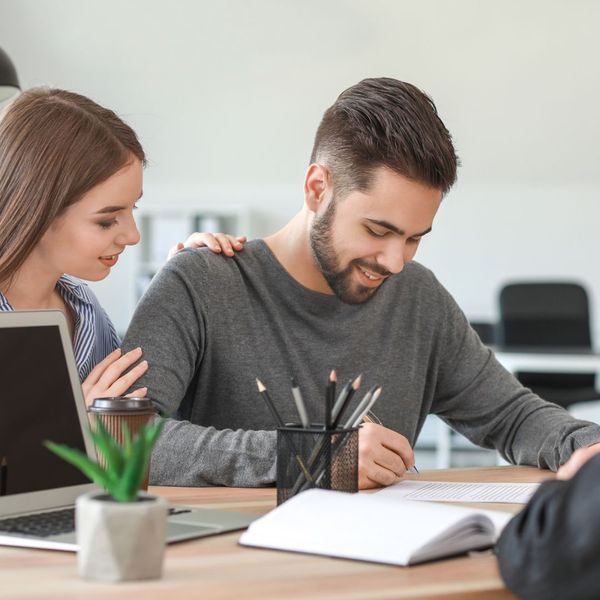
{"points": [[339, 280]]}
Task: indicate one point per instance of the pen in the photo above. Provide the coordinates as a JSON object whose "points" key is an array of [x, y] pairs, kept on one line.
{"points": [[369, 419], [300, 406]]}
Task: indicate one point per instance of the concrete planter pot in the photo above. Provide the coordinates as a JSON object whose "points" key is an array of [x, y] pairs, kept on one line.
{"points": [[120, 541]]}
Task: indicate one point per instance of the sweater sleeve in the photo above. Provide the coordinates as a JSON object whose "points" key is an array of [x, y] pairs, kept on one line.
{"points": [[169, 326], [479, 398], [550, 550]]}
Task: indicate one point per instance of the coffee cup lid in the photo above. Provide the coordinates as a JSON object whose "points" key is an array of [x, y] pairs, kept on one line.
{"points": [[121, 404]]}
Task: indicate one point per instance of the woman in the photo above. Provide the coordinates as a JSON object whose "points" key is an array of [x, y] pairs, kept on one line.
{"points": [[70, 177]]}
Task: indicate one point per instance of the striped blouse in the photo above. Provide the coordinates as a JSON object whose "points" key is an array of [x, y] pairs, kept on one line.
{"points": [[95, 335]]}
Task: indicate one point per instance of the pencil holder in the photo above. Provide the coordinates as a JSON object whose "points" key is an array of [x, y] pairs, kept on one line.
{"points": [[315, 458]]}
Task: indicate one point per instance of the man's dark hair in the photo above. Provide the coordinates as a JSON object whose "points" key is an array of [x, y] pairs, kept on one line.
{"points": [[384, 122]]}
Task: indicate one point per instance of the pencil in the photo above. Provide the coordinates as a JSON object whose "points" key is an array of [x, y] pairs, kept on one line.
{"points": [[346, 401], [364, 402], [353, 421], [340, 399], [363, 408], [265, 395], [3, 476], [329, 396], [263, 392]]}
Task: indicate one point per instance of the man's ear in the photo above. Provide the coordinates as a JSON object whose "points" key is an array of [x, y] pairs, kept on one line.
{"points": [[316, 182]]}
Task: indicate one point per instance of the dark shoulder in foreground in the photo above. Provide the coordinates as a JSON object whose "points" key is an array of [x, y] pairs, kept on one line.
{"points": [[550, 550]]}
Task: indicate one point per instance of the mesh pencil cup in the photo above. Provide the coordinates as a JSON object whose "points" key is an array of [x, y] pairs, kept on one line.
{"points": [[316, 458]]}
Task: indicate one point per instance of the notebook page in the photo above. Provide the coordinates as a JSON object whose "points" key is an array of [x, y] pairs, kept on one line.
{"points": [[360, 526], [445, 491]]}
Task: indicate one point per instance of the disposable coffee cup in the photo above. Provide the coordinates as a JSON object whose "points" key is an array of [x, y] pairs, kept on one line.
{"points": [[113, 412]]}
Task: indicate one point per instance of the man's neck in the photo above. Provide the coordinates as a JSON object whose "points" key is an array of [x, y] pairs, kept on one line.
{"points": [[291, 247]]}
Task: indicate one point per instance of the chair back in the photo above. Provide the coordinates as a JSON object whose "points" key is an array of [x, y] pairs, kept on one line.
{"points": [[552, 314], [544, 314], [485, 330]]}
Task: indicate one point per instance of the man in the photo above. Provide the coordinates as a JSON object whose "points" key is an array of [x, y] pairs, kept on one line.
{"points": [[551, 550], [335, 289]]}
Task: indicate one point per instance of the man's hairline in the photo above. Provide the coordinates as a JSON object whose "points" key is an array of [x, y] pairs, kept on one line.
{"points": [[346, 191]]}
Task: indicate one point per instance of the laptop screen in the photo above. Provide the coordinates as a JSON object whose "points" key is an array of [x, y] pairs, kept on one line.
{"points": [[36, 404]]}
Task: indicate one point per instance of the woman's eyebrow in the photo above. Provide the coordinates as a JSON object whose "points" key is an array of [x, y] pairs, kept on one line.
{"points": [[109, 209]]}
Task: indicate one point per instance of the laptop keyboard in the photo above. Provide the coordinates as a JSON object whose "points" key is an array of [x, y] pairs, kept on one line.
{"points": [[50, 523], [41, 524]]}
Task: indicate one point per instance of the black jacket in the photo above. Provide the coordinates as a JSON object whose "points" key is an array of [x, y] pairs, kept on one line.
{"points": [[551, 550]]}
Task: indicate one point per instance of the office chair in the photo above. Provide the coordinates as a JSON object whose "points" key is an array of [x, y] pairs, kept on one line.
{"points": [[551, 315], [485, 331]]}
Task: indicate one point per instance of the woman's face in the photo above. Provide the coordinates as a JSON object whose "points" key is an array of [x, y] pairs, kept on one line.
{"points": [[87, 239]]}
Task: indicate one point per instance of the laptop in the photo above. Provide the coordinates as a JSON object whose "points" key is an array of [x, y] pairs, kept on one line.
{"points": [[41, 399]]}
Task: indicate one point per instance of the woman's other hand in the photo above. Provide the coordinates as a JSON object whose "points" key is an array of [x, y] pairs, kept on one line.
{"points": [[217, 242]]}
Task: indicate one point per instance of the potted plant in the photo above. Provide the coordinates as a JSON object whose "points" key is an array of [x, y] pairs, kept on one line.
{"points": [[121, 532]]}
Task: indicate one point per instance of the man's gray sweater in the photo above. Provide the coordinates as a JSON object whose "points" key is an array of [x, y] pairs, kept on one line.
{"points": [[210, 325]]}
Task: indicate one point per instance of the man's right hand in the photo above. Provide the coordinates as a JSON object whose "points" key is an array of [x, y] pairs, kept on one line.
{"points": [[108, 377], [383, 456]]}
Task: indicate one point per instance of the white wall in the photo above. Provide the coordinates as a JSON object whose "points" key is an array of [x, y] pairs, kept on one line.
{"points": [[227, 95]]}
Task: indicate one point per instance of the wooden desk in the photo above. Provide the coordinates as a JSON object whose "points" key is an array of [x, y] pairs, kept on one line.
{"points": [[217, 568]]}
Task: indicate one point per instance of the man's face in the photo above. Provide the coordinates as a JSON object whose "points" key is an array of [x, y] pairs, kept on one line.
{"points": [[364, 238]]}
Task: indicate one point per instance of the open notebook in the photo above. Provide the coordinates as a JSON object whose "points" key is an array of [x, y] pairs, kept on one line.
{"points": [[367, 527]]}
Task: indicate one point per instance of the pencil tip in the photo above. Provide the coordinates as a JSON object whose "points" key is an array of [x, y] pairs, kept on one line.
{"points": [[377, 393], [260, 385], [357, 382], [333, 375], [294, 382]]}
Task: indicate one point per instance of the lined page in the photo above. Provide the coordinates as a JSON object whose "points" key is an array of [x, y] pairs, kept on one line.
{"points": [[446, 491]]}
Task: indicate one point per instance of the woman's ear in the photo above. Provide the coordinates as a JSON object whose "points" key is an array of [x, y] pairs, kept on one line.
{"points": [[316, 182]]}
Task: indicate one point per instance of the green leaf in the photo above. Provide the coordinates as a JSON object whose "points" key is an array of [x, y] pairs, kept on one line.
{"points": [[126, 465], [80, 460], [112, 452], [126, 441], [134, 471]]}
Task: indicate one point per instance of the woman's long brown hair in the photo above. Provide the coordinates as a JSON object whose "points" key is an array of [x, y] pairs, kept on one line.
{"points": [[54, 147]]}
